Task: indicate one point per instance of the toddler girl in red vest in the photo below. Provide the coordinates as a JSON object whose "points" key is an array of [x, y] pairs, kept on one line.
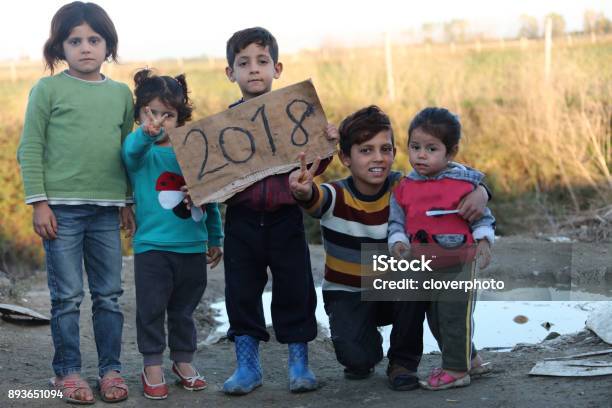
{"points": [[422, 221]]}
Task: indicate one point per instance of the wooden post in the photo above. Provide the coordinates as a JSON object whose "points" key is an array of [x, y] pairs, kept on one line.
{"points": [[547, 47]]}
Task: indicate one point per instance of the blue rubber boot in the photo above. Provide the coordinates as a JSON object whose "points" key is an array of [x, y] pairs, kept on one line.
{"points": [[301, 379], [247, 376]]}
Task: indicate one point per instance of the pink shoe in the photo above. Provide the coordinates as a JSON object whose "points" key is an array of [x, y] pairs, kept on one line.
{"points": [[193, 383], [441, 380]]}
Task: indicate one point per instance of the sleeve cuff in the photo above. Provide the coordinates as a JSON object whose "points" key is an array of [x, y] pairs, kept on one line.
{"points": [[215, 242], [36, 198], [484, 233], [397, 237]]}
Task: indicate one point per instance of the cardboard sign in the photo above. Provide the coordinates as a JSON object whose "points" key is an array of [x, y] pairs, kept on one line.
{"points": [[225, 153]]}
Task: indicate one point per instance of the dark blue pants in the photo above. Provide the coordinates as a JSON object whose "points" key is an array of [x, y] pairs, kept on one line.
{"points": [[254, 242]]}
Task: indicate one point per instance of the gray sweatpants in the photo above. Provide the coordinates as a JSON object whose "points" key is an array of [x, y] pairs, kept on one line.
{"points": [[167, 282]]}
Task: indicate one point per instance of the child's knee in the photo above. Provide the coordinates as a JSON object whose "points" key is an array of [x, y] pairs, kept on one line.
{"points": [[68, 302], [357, 355], [107, 301]]}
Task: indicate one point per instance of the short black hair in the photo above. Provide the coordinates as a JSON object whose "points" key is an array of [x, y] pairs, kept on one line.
{"points": [[171, 91], [243, 38], [362, 126], [439, 123], [72, 15]]}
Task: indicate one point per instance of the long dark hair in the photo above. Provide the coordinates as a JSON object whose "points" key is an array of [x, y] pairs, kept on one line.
{"points": [[70, 16]]}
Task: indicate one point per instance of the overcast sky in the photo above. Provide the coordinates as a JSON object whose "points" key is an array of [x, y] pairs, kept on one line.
{"points": [[189, 28]]}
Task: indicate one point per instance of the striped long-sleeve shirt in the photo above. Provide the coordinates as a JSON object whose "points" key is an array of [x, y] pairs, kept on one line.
{"points": [[348, 220]]}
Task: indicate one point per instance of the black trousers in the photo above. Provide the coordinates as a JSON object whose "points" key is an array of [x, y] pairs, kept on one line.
{"points": [[354, 331], [255, 241], [167, 282]]}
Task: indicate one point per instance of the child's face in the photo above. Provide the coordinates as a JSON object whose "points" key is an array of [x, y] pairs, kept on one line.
{"points": [[370, 162], [159, 109], [427, 154], [254, 70], [84, 51]]}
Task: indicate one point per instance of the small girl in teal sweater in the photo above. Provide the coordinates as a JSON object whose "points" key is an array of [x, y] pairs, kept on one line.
{"points": [[173, 242]]}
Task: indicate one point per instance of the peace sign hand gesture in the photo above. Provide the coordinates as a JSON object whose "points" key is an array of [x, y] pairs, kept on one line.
{"points": [[300, 180], [153, 126]]}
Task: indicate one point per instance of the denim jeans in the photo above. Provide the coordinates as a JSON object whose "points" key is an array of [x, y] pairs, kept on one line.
{"points": [[86, 234]]}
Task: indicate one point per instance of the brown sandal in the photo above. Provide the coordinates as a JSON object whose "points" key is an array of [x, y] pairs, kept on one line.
{"points": [[106, 384], [68, 388]]}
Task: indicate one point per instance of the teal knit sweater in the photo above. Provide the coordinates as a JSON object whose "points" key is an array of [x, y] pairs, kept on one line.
{"points": [[163, 222]]}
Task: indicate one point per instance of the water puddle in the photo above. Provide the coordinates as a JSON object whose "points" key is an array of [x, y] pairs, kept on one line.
{"points": [[498, 324]]}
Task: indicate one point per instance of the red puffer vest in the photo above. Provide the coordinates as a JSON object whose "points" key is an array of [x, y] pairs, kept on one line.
{"points": [[446, 239]]}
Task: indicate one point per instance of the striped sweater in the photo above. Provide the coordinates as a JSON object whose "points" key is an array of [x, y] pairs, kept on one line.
{"points": [[348, 220]]}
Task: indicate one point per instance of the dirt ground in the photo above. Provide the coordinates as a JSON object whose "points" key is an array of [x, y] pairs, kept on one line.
{"points": [[26, 351]]}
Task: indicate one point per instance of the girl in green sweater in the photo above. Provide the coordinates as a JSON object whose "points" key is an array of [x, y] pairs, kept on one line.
{"points": [[73, 177]]}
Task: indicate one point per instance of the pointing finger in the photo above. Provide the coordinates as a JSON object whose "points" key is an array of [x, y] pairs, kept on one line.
{"points": [[149, 114], [162, 119], [315, 166], [303, 169], [302, 157]]}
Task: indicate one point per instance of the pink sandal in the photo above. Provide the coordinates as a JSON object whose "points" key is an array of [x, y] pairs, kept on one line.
{"points": [[441, 380], [106, 384], [68, 388]]}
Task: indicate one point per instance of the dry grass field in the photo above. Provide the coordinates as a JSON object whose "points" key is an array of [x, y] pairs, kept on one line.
{"points": [[544, 143]]}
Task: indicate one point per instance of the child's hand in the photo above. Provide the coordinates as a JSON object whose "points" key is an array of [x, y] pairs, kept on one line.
{"points": [[473, 205], [126, 218], [44, 222], [187, 200], [483, 253], [332, 134], [400, 250], [300, 181], [152, 126], [213, 256]]}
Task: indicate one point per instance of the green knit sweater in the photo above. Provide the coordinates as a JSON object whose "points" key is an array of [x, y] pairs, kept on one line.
{"points": [[70, 149]]}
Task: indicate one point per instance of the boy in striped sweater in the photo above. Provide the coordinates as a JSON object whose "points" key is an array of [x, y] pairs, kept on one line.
{"points": [[354, 211]]}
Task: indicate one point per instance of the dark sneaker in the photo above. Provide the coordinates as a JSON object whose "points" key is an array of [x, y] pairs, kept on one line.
{"points": [[357, 373], [401, 379]]}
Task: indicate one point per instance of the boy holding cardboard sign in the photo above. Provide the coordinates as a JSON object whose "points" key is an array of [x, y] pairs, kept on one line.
{"points": [[264, 228]]}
